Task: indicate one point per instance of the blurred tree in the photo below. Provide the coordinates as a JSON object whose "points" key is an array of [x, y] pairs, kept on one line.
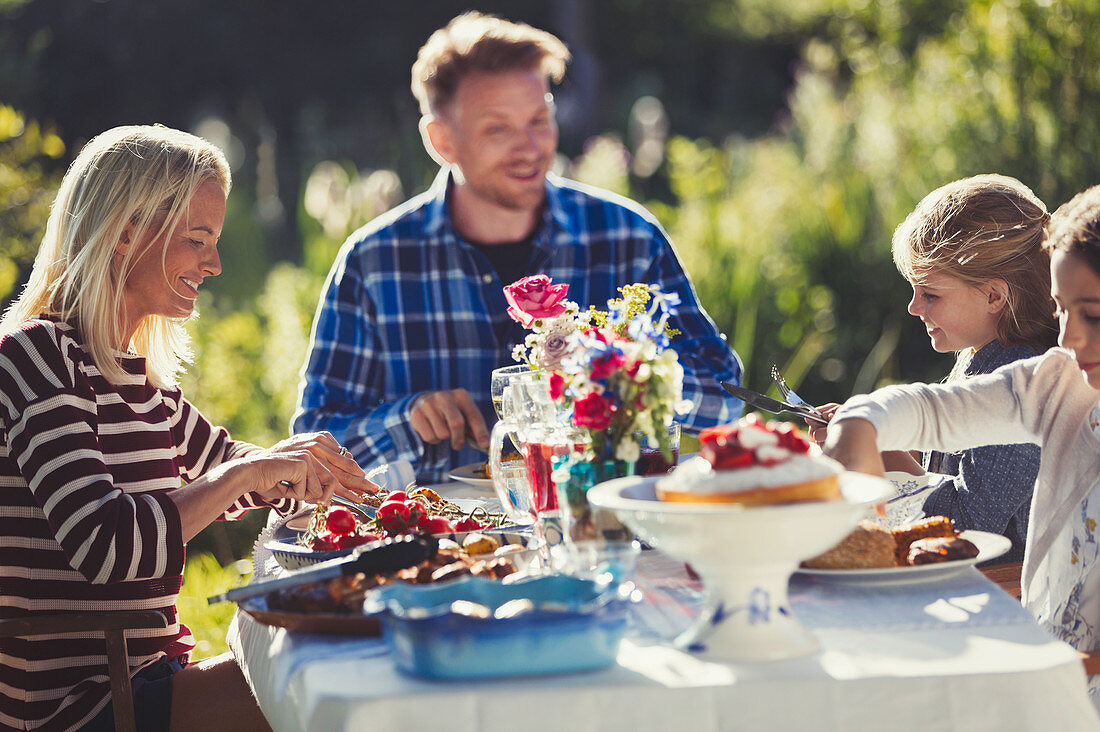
{"points": [[892, 100], [297, 84], [27, 185]]}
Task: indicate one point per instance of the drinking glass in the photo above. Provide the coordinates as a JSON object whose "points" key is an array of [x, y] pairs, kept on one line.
{"points": [[651, 461], [499, 382], [595, 559]]}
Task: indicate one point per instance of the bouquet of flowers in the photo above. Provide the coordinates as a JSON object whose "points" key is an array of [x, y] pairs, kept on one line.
{"points": [[611, 369]]}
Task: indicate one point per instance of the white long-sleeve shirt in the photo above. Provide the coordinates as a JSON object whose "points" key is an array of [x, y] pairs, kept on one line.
{"points": [[1043, 400]]}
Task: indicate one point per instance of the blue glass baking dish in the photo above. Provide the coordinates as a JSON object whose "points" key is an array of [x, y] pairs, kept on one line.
{"points": [[480, 628]]}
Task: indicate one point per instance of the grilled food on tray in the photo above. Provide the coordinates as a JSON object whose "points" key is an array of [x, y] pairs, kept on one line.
{"points": [[345, 594]]}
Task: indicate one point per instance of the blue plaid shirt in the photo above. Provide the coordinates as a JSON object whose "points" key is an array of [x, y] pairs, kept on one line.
{"points": [[410, 307]]}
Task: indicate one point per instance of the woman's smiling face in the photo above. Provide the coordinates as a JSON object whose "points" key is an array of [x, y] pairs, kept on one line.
{"points": [[1076, 291], [168, 270]]}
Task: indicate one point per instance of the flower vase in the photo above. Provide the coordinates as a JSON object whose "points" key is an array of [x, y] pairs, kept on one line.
{"points": [[574, 476]]}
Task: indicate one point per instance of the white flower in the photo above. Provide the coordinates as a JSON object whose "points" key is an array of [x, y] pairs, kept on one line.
{"points": [[628, 450]]}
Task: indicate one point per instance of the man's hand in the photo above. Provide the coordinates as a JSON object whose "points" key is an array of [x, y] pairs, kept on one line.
{"points": [[449, 415]]}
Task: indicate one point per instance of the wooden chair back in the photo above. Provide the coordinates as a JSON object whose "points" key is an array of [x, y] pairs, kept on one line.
{"points": [[113, 625]]}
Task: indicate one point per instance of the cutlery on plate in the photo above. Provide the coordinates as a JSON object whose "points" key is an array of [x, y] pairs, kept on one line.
{"points": [[771, 405], [789, 393], [388, 555]]}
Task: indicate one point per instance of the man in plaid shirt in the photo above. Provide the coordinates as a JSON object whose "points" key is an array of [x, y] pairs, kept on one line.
{"points": [[413, 319]]}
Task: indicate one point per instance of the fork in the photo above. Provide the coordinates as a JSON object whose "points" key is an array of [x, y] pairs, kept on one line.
{"points": [[789, 394]]}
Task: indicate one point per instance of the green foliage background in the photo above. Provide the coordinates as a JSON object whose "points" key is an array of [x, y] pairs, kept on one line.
{"points": [[784, 227]]}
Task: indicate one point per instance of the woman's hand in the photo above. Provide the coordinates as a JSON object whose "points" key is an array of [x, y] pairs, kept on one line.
{"points": [[323, 447], [817, 431], [308, 467], [288, 473], [852, 443]]}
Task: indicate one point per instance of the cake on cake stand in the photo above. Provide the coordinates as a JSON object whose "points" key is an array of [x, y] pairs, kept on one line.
{"points": [[745, 557]]}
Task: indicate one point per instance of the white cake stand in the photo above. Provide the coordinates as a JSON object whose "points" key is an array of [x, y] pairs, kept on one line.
{"points": [[745, 557]]}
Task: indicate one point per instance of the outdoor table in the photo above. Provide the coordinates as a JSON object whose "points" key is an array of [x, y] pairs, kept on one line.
{"points": [[956, 653]]}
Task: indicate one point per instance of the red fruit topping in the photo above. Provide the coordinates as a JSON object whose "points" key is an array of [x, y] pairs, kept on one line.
{"points": [[722, 446]]}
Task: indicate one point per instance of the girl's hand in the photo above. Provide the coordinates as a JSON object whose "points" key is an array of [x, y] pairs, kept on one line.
{"points": [[352, 481], [817, 431], [852, 443]]}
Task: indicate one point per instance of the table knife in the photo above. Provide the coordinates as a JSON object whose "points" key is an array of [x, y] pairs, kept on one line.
{"points": [[767, 403], [388, 555]]}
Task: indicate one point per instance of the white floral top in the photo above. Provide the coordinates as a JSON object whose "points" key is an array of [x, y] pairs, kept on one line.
{"points": [[1043, 400], [1072, 607]]}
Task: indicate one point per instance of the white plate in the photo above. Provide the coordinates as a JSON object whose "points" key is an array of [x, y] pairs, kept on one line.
{"points": [[990, 546], [471, 475]]}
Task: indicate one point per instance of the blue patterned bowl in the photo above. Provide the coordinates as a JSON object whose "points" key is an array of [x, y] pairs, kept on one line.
{"points": [[480, 628]]}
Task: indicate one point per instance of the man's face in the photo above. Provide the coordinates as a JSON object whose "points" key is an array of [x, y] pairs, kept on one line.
{"points": [[501, 135]]}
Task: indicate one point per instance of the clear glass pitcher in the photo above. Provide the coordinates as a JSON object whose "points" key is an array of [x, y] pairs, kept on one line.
{"points": [[537, 427]]}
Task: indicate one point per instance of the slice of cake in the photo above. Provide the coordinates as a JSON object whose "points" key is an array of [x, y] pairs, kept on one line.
{"points": [[752, 463], [934, 527], [870, 546]]}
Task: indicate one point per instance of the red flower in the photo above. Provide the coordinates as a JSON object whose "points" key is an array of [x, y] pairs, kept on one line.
{"points": [[606, 364], [557, 386], [593, 411], [533, 298], [596, 333]]}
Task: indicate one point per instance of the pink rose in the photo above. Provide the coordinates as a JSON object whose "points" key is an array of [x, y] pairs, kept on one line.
{"points": [[533, 298], [557, 386], [593, 412]]}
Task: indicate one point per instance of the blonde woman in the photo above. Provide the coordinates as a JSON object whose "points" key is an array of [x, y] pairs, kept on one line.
{"points": [[107, 470], [972, 250]]}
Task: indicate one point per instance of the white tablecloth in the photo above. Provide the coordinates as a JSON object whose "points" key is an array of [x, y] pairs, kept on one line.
{"points": [[956, 654]]}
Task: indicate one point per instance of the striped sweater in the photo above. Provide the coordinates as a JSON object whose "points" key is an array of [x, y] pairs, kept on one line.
{"points": [[86, 522]]}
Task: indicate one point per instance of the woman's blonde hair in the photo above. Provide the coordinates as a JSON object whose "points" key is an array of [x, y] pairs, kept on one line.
{"points": [[134, 181], [980, 229]]}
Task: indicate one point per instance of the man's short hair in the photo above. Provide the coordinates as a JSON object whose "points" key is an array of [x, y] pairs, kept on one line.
{"points": [[473, 42]]}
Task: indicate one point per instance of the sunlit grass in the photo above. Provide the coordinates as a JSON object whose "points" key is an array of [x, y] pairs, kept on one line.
{"points": [[202, 578]]}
